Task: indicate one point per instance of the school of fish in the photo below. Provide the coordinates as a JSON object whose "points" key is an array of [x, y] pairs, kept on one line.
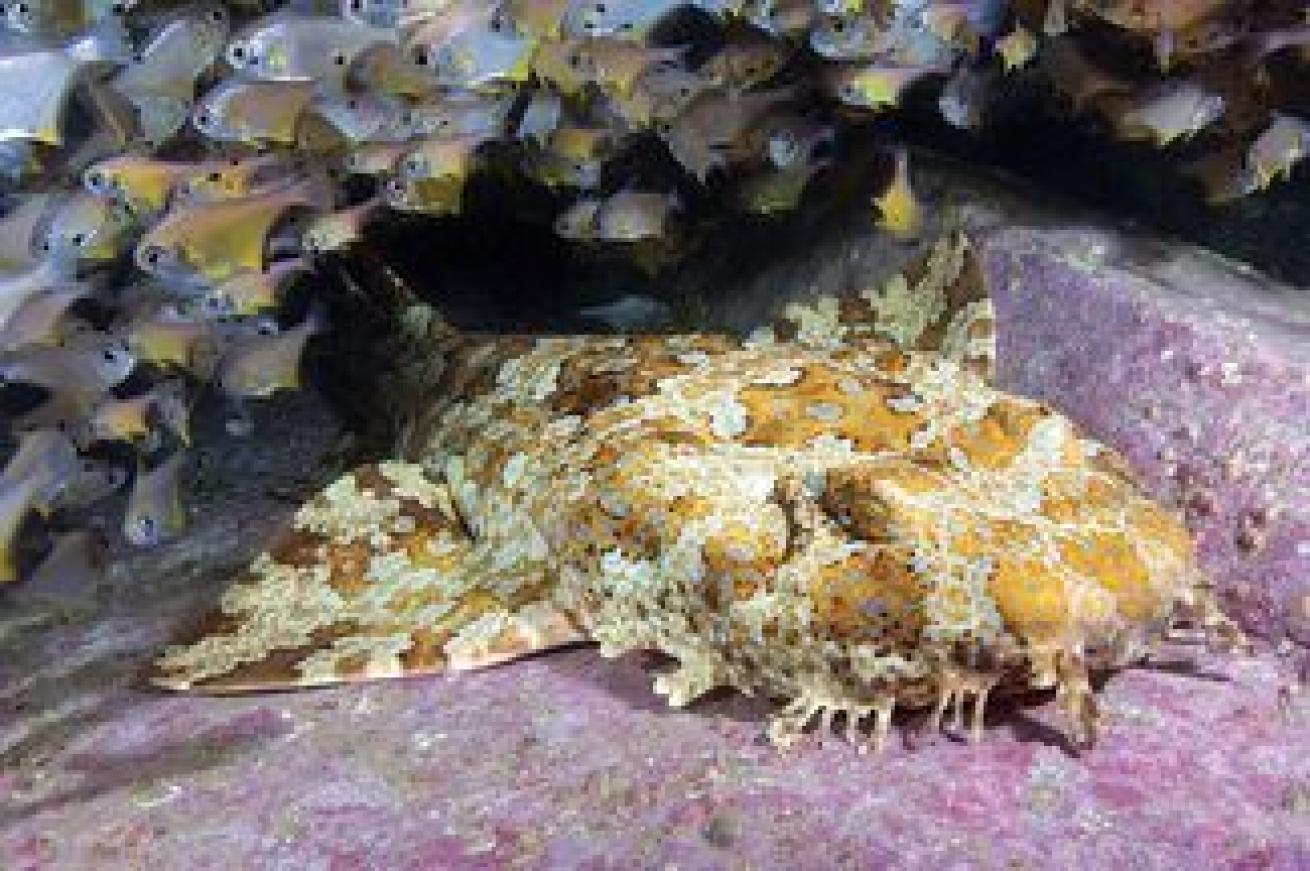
{"points": [[172, 170]]}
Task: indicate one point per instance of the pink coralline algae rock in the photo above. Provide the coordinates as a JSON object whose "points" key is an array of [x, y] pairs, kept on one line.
{"points": [[1197, 370]]}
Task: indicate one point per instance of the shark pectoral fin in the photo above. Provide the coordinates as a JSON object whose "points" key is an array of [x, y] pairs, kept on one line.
{"points": [[376, 578], [502, 636]]}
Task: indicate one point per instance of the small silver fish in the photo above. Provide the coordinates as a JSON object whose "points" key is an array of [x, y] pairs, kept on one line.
{"points": [[540, 118], [86, 228], [1278, 149], [360, 118], [47, 460], [94, 480], [631, 216], [629, 312], [73, 567], [259, 366], [89, 365], [627, 19], [20, 226], [453, 116], [1174, 111], [482, 54], [964, 99], [578, 221], [44, 318], [60, 18], [254, 112], [290, 47], [161, 80], [336, 230], [155, 511], [16, 288], [35, 87]]}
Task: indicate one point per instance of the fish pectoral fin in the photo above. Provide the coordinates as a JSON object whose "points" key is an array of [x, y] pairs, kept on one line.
{"points": [[376, 578]]}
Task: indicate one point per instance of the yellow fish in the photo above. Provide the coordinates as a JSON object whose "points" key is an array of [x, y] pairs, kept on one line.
{"points": [[142, 184], [176, 343], [216, 240], [428, 196], [249, 292], [235, 177], [560, 63], [375, 158], [899, 212], [540, 19], [775, 191], [1016, 48], [440, 158], [583, 143], [746, 60], [876, 86], [138, 419], [15, 506], [615, 66], [155, 511]]}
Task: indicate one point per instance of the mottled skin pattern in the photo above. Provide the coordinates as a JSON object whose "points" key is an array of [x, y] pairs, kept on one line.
{"points": [[839, 513]]}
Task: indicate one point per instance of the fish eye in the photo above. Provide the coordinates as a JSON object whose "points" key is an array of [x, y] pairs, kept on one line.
{"points": [[153, 255], [339, 58], [146, 527], [78, 239], [421, 56], [218, 15]]}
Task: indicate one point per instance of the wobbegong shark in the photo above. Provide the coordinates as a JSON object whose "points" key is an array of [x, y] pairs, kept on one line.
{"points": [[839, 512]]}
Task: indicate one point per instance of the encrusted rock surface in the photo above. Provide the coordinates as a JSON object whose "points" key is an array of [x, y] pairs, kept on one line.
{"points": [[568, 760]]}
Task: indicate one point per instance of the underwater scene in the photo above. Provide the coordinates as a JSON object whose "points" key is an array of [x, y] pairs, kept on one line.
{"points": [[588, 434]]}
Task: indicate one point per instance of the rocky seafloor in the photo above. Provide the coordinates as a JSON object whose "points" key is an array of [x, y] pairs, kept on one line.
{"points": [[568, 760]]}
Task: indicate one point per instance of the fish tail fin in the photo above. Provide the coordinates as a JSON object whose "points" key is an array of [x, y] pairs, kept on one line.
{"points": [[377, 578]]}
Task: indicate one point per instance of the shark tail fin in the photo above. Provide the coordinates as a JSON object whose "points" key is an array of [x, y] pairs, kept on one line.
{"points": [[376, 578]]}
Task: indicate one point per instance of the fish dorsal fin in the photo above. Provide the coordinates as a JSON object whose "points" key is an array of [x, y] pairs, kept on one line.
{"points": [[376, 578]]}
